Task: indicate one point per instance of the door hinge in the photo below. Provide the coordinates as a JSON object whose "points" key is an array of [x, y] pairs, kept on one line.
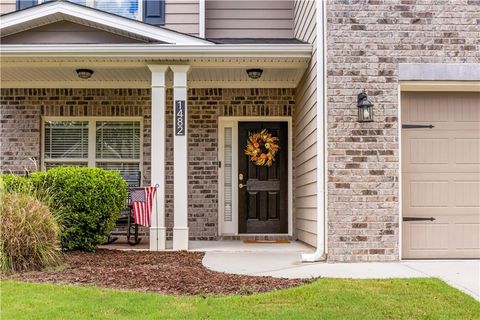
{"points": [[220, 164], [418, 219], [417, 126]]}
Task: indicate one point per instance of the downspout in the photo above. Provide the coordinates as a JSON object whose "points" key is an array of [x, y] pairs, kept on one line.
{"points": [[321, 29]]}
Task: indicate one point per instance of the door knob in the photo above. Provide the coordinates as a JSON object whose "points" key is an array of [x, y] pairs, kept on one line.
{"points": [[241, 185]]}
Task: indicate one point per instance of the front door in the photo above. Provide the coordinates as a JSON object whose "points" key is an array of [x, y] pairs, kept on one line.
{"points": [[263, 189]]}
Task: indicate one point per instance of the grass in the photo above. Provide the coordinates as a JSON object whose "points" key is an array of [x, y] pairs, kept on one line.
{"points": [[324, 298]]}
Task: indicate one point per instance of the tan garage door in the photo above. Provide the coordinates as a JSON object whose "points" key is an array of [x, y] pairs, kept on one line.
{"points": [[441, 174]]}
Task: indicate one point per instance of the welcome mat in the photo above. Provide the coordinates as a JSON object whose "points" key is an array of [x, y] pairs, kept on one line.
{"points": [[267, 241]]}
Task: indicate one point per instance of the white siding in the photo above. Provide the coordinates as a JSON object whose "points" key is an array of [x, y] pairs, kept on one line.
{"points": [[304, 130], [7, 6], [249, 19], [182, 16]]}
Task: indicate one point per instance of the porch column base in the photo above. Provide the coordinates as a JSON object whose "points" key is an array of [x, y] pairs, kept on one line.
{"points": [[180, 238], [157, 238]]}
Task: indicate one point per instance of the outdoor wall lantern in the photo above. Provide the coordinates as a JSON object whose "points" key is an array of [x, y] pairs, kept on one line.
{"points": [[365, 108], [84, 73], [254, 73]]}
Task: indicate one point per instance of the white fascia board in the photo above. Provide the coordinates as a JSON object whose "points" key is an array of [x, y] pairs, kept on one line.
{"points": [[102, 18], [302, 51]]}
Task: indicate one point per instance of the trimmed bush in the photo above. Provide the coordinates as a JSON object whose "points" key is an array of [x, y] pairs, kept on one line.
{"points": [[29, 234], [16, 183], [87, 200]]}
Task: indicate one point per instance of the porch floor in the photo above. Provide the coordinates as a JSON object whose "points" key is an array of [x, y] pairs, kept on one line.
{"points": [[225, 246]]}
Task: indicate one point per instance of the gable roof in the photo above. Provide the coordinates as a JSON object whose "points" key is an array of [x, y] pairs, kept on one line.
{"points": [[59, 10]]}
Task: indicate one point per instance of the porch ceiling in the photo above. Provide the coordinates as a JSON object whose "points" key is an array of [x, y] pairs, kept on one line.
{"points": [[205, 73]]}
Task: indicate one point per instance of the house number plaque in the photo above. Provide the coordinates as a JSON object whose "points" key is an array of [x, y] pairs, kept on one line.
{"points": [[179, 117]]}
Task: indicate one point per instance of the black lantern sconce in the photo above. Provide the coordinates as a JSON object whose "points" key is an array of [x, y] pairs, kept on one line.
{"points": [[365, 108]]}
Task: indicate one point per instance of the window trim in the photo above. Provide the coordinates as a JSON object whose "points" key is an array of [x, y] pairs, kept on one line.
{"points": [[91, 160]]}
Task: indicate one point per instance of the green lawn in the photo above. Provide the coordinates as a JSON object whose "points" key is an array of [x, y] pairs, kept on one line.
{"points": [[325, 298]]}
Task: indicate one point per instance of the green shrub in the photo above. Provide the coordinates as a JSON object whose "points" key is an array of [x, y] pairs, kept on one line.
{"points": [[29, 234], [87, 200], [16, 183]]}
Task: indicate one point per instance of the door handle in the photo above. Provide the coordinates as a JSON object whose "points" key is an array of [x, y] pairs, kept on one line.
{"points": [[418, 219], [241, 185]]}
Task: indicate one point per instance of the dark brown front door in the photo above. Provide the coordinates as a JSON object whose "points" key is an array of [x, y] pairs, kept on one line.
{"points": [[263, 190]]}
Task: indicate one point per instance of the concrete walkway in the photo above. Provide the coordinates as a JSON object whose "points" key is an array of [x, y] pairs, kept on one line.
{"points": [[283, 261]]}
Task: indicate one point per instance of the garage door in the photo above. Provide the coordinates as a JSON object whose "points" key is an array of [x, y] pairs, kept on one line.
{"points": [[441, 174]]}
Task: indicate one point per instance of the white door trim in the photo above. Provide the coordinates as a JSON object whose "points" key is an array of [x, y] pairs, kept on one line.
{"points": [[226, 122]]}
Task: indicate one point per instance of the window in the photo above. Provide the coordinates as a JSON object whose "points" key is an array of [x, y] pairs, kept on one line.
{"points": [[149, 11], [107, 144], [124, 8], [22, 4]]}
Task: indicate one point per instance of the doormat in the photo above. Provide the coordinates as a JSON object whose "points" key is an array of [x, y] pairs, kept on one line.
{"points": [[267, 241]]}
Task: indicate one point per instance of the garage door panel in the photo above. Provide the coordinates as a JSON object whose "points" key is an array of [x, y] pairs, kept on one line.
{"points": [[467, 194], [451, 236], [467, 151], [429, 194], [441, 151], [441, 175]]}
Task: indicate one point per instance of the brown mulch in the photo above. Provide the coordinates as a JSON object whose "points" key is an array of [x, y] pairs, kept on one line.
{"points": [[180, 273]]}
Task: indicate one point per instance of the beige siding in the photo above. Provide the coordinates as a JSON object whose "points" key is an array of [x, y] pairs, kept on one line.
{"points": [[182, 16], [305, 123], [249, 19], [65, 32], [7, 6]]}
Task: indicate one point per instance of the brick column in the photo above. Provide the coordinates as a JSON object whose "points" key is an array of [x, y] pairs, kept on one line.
{"points": [[180, 158], [157, 228]]}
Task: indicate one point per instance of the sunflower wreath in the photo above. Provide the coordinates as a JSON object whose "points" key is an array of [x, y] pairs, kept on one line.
{"points": [[262, 148]]}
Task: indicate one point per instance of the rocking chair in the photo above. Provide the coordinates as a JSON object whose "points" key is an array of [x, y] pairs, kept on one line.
{"points": [[126, 221]]}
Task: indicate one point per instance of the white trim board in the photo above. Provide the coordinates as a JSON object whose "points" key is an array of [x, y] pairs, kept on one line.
{"points": [[155, 50], [232, 122]]}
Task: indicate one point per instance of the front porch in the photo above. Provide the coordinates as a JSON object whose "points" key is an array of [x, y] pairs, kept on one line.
{"points": [[190, 169]]}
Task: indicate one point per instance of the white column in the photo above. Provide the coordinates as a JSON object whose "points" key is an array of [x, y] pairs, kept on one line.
{"points": [[180, 158], [158, 125]]}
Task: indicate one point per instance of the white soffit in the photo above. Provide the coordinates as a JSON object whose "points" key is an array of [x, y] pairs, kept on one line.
{"points": [[50, 12], [139, 77]]}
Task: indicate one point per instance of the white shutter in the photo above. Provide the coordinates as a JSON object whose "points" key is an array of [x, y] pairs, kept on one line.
{"points": [[66, 140], [124, 8]]}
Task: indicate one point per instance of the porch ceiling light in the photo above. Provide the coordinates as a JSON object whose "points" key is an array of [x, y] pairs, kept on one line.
{"points": [[84, 73], [254, 73], [365, 107]]}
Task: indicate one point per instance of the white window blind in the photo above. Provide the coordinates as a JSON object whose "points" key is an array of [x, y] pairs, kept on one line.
{"points": [[66, 140], [114, 145], [124, 8], [118, 140], [227, 182], [118, 148], [82, 2]]}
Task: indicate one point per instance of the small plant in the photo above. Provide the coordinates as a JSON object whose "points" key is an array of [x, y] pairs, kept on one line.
{"points": [[29, 234], [88, 200]]}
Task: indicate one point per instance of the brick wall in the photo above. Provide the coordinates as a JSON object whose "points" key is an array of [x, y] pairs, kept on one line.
{"points": [[366, 41], [21, 111], [19, 131]]}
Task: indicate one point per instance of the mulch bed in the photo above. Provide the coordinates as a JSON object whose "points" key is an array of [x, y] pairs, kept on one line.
{"points": [[180, 273]]}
